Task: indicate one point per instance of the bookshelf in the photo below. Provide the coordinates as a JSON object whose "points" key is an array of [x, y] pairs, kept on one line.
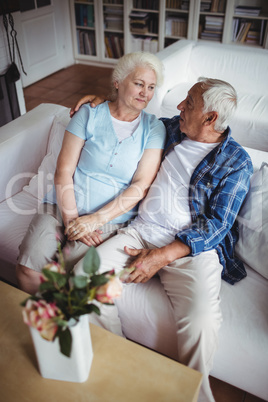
{"points": [[144, 25], [103, 30], [247, 23], [211, 20]]}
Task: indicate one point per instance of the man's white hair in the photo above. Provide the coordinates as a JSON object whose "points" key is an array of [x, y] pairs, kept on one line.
{"points": [[219, 96]]}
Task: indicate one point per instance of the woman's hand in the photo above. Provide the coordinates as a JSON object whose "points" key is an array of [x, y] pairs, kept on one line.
{"points": [[94, 101], [92, 239], [82, 226]]}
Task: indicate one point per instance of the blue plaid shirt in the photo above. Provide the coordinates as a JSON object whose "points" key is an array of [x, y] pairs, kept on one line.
{"points": [[218, 187]]}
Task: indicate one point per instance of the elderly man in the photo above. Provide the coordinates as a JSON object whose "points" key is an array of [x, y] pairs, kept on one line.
{"points": [[186, 228]]}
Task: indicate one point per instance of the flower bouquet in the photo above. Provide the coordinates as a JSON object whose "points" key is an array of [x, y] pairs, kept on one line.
{"points": [[63, 297]]}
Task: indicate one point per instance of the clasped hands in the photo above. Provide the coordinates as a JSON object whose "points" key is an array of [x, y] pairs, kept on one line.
{"points": [[81, 229]]}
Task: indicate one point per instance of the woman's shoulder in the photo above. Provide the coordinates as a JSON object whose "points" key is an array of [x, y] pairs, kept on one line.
{"points": [[88, 110], [151, 119]]}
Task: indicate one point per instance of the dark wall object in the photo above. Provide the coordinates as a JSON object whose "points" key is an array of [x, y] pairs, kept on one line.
{"points": [[9, 6]]}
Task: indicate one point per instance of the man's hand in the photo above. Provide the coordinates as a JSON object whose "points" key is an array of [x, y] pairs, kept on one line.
{"points": [[94, 101], [145, 265], [146, 262]]}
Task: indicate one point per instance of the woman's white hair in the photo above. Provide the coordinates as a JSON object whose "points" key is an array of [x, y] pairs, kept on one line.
{"points": [[130, 61], [219, 96]]}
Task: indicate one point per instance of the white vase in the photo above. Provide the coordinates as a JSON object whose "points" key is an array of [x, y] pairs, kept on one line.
{"points": [[54, 365]]}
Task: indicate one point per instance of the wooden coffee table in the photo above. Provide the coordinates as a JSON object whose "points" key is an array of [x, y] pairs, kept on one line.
{"points": [[121, 370]]}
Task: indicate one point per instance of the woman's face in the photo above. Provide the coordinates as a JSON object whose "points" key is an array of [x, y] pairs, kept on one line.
{"points": [[137, 89]]}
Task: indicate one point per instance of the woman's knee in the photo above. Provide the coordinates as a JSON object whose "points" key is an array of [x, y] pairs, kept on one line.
{"points": [[23, 272]]}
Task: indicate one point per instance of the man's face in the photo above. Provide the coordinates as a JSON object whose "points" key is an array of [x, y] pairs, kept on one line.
{"points": [[192, 116]]}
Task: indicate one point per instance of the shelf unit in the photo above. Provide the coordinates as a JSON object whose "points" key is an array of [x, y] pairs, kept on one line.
{"points": [[99, 30], [258, 23], [105, 29]]}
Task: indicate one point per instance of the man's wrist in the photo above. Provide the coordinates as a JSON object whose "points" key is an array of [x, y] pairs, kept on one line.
{"points": [[175, 250]]}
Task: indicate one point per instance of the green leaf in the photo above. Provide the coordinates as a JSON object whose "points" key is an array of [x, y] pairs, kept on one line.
{"points": [[92, 308], [80, 281], [61, 297], [46, 286], [91, 261], [98, 280], [65, 340], [56, 277]]}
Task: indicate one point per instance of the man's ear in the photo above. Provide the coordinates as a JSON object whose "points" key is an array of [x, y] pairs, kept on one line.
{"points": [[210, 118], [116, 84]]}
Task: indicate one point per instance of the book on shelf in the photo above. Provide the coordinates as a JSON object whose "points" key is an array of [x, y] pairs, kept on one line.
{"points": [[113, 22], [248, 31], [146, 4], [253, 37], [176, 26], [84, 15], [177, 4], [143, 22], [147, 44], [86, 42], [205, 5], [243, 31], [114, 1], [248, 10], [114, 47], [213, 28]]}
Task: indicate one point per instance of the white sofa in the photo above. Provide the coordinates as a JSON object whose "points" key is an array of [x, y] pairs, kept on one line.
{"points": [[29, 147]]}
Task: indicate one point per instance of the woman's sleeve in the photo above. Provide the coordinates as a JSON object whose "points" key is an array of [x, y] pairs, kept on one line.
{"points": [[78, 122], [157, 134]]}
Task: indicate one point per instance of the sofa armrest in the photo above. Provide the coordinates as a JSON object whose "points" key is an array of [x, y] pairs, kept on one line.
{"points": [[175, 60], [23, 145]]}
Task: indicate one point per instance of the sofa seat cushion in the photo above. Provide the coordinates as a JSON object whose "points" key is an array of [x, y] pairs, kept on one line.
{"points": [[253, 224], [15, 216], [243, 334], [147, 318]]}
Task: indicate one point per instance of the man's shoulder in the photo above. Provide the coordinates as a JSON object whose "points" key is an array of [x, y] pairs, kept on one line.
{"points": [[235, 152], [171, 121]]}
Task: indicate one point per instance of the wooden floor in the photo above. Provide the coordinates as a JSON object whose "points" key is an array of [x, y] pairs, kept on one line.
{"points": [[65, 88]]}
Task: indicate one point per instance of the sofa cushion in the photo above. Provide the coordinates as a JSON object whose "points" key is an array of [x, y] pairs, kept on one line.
{"points": [[243, 67], [253, 224], [43, 181], [251, 132], [15, 215]]}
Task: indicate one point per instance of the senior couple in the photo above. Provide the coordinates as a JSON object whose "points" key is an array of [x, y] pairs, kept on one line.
{"points": [[184, 230]]}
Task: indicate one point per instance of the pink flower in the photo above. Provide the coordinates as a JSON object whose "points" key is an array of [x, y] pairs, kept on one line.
{"points": [[53, 267], [41, 315], [111, 290]]}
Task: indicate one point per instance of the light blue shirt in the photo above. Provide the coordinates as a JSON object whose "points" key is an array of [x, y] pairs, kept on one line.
{"points": [[106, 165]]}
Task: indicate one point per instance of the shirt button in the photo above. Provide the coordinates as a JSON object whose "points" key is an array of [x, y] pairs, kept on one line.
{"points": [[116, 153], [111, 165]]}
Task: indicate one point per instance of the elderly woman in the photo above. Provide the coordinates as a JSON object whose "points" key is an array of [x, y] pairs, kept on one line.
{"points": [[110, 155]]}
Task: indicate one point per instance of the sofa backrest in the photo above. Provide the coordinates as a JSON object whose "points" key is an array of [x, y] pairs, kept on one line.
{"points": [[244, 67]]}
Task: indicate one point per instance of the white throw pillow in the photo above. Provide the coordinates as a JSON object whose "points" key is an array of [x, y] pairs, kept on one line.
{"points": [[42, 182], [252, 247]]}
